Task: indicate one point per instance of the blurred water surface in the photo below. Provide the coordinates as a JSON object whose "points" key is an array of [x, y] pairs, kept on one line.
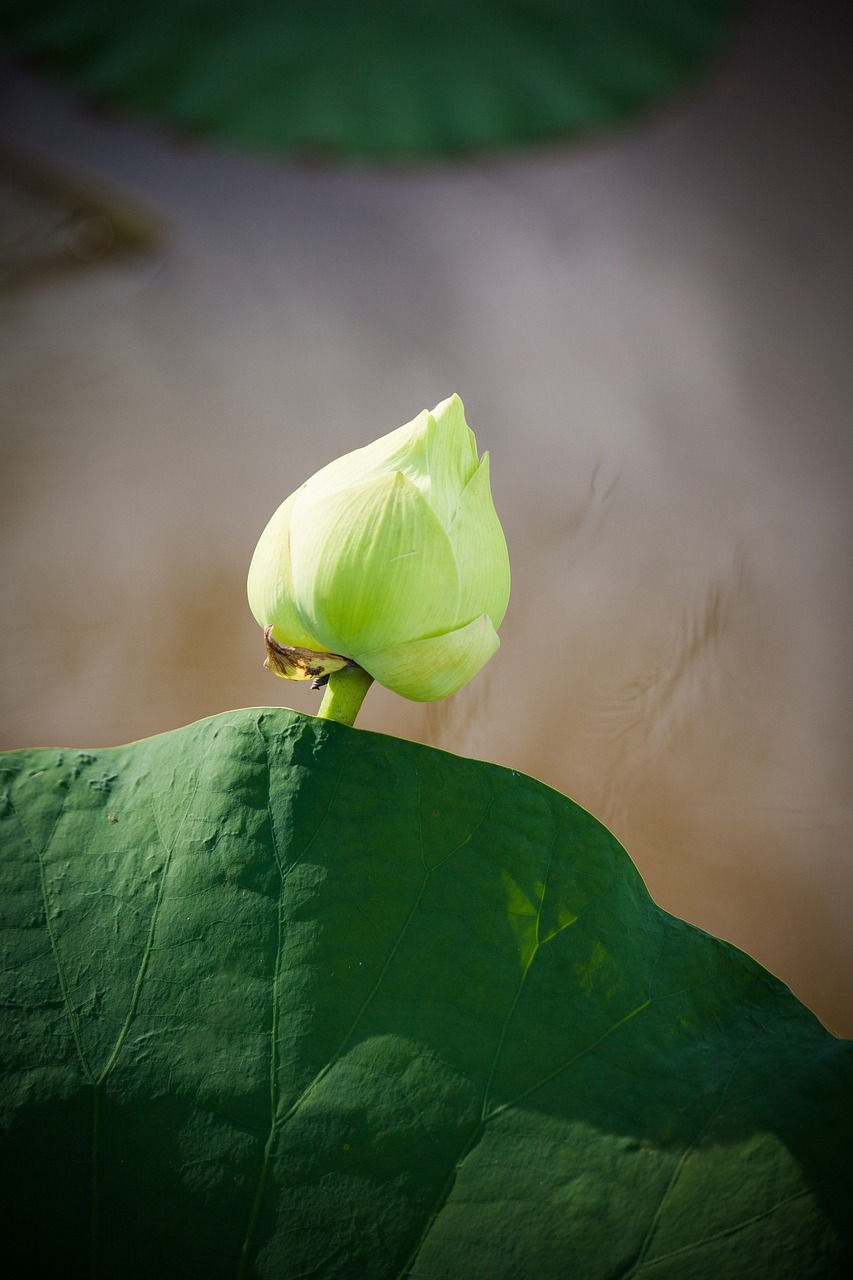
{"points": [[651, 335]]}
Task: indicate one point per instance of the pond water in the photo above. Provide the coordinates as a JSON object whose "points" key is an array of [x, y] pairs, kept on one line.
{"points": [[652, 337]]}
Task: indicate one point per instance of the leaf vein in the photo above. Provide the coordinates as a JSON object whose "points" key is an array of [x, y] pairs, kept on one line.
{"points": [[54, 946], [669, 1190]]}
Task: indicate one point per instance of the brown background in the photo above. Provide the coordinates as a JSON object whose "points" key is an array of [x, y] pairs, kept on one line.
{"points": [[652, 335]]}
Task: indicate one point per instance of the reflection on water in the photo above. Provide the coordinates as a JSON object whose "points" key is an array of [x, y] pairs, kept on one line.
{"points": [[664, 387], [645, 720]]}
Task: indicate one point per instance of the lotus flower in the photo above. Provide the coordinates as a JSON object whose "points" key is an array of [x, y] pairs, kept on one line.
{"points": [[391, 558]]}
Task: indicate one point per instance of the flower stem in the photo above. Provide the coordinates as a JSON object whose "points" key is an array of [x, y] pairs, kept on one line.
{"points": [[344, 695]]}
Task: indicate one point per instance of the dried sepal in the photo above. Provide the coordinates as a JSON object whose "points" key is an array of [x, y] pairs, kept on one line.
{"points": [[293, 663]]}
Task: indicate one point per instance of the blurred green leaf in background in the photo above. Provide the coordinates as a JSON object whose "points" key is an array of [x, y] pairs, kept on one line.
{"points": [[379, 79], [283, 998]]}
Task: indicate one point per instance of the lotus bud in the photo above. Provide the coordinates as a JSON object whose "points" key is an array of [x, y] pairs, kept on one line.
{"points": [[391, 558]]}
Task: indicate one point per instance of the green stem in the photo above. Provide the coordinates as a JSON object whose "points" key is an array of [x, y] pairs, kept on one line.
{"points": [[344, 695]]}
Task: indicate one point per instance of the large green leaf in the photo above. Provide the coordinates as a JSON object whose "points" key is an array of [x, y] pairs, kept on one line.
{"points": [[288, 999], [379, 77]]}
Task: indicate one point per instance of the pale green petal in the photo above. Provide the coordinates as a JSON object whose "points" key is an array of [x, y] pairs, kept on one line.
{"points": [[270, 585], [452, 457], [480, 548], [436, 451], [426, 670], [450, 416], [404, 449], [372, 566]]}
